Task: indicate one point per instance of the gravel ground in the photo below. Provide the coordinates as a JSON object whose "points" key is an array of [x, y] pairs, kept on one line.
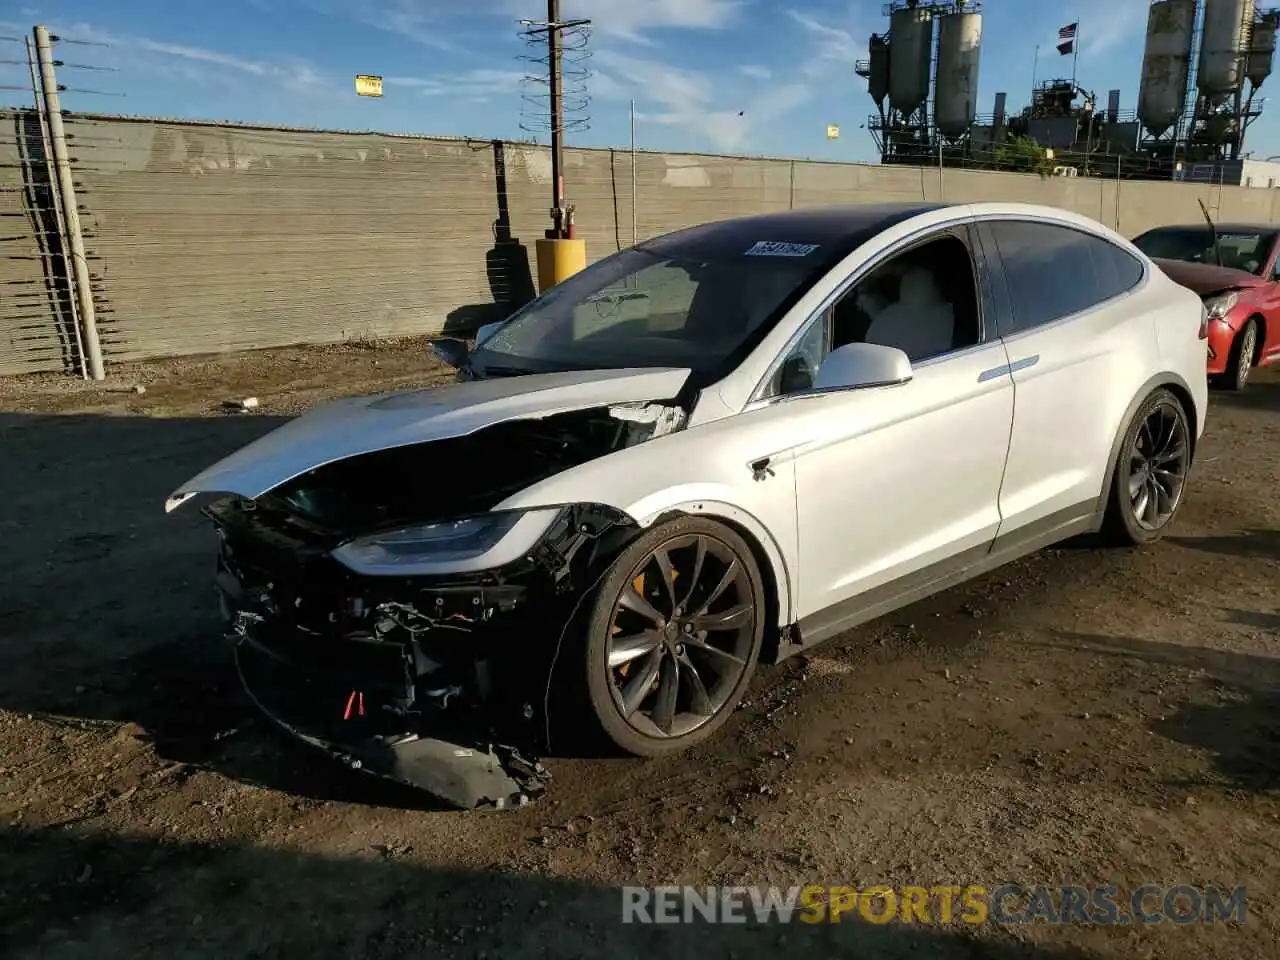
{"points": [[1083, 716]]}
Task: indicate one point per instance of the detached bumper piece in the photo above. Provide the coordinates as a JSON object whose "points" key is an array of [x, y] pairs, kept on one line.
{"points": [[358, 728]]}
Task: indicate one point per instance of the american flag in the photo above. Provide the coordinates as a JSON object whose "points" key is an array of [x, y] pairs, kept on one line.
{"points": [[1067, 38]]}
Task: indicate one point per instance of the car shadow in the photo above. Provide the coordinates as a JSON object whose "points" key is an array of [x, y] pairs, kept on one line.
{"points": [[75, 893], [1241, 733], [1236, 719], [108, 608], [1248, 544], [1260, 394], [107, 605], [1250, 618]]}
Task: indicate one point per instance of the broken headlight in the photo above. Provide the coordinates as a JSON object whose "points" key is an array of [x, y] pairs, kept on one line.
{"points": [[454, 546], [1217, 307]]}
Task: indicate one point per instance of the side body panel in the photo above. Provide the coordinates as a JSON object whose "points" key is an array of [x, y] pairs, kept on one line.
{"points": [[1073, 381], [890, 481], [714, 469]]}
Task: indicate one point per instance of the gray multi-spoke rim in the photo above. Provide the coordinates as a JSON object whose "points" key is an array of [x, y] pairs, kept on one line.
{"points": [[681, 636], [1158, 462], [1248, 340]]}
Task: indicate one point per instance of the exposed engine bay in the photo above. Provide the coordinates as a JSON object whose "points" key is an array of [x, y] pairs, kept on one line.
{"points": [[444, 681]]}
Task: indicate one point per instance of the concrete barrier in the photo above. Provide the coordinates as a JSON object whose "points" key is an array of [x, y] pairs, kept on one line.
{"points": [[206, 238]]}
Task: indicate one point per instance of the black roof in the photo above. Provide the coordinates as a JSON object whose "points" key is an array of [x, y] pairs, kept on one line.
{"points": [[831, 229], [1221, 227]]}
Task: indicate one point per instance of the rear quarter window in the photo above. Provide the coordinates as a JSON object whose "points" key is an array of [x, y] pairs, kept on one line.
{"points": [[1053, 271]]}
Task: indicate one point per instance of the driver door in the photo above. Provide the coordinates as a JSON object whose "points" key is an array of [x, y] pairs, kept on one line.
{"points": [[897, 486]]}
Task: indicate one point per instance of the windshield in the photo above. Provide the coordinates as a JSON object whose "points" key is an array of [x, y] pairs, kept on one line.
{"points": [[1241, 250], [640, 308]]}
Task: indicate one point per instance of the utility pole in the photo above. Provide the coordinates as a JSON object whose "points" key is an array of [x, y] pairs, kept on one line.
{"points": [[560, 253], [555, 67], [55, 197], [633, 171], [70, 211]]}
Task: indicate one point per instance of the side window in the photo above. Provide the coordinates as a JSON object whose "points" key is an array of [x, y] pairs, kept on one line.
{"points": [[923, 301], [1054, 271], [1128, 269]]}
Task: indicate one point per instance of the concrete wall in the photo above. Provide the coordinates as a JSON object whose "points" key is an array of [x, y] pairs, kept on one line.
{"points": [[208, 238], [34, 330]]}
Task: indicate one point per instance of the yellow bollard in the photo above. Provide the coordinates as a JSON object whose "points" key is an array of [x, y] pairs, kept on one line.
{"points": [[558, 260]]}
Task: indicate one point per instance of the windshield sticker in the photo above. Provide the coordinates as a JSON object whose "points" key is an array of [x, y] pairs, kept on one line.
{"points": [[777, 248]]}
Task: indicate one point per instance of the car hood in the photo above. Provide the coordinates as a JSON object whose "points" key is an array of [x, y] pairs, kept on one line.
{"points": [[1205, 278], [358, 425]]}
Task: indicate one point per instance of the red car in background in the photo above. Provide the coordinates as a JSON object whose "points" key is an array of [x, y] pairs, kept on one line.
{"points": [[1234, 269]]}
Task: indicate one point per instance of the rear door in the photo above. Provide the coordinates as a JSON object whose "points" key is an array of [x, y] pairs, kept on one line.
{"points": [[1079, 343]]}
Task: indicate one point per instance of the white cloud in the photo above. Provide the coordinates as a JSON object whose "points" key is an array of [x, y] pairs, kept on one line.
{"points": [[830, 46], [632, 19], [1107, 25], [198, 64], [428, 22], [472, 85], [412, 19], [755, 72], [198, 54], [693, 101]]}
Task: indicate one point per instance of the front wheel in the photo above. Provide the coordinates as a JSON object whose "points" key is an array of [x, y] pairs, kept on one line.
{"points": [[674, 635], [1240, 360], [1150, 472]]}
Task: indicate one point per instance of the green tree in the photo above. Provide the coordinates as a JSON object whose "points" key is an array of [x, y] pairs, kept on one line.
{"points": [[1024, 155]]}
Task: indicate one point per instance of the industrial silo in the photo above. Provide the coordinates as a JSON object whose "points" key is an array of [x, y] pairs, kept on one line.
{"points": [[878, 75], [1166, 63], [910, 52], [1262, 51], [1224, 44], [956, 84]]}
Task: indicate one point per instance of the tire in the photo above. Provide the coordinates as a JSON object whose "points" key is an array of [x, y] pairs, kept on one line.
{"points": [[709, 669], [1240, 360], [1150, 473]]}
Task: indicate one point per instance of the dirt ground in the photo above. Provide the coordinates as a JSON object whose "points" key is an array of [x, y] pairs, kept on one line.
{"points": [[1083, 717]]}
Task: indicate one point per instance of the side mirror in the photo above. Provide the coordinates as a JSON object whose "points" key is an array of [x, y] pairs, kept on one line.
{"points": [[858, 365], [451, 351], [488, 330]]}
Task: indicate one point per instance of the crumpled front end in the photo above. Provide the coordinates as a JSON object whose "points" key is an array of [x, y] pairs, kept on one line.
{"points": [[381, 610], [438, 682]]}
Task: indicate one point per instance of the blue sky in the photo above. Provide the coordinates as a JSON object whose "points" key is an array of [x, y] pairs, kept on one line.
{"points": [[454, 67]]}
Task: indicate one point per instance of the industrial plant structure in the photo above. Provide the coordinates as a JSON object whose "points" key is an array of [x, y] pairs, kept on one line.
{"points": [[1203, 64]]}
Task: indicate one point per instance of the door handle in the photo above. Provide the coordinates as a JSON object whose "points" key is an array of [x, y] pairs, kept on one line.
{"points": [[994, 372], [1024, 363]]}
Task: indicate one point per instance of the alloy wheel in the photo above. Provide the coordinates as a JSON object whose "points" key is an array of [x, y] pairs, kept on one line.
{"points": [[1248, 341], [1158, 463], [681, 636]]}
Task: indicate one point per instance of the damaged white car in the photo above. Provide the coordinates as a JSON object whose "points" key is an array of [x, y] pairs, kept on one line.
{"points": [[721, 446]]}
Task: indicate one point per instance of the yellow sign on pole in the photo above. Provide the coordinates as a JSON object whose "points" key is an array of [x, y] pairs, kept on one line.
{"points": [[833, 132], [368, 85]]}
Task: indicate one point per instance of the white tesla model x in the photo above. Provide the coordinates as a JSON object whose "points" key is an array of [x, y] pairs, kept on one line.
{"points": [[723, 445]]}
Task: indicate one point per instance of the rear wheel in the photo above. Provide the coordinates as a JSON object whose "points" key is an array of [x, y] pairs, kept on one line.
{"points": [[1151, 472], [674, 635], [1240, 360]]}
